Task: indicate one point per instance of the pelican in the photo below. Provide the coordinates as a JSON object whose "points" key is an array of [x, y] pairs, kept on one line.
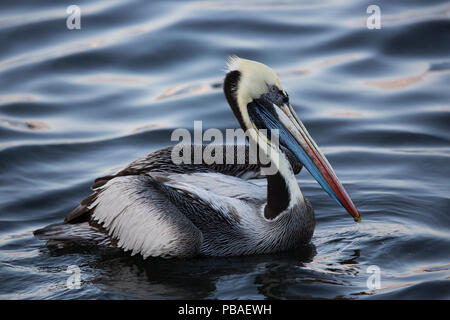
{"points": [[156, 208]]}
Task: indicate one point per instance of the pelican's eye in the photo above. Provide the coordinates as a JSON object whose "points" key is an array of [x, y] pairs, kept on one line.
{"points": [[274, 95], [273, 89]]}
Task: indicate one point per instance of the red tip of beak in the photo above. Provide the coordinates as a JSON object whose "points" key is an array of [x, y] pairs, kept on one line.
{"points": [[334, 183]]}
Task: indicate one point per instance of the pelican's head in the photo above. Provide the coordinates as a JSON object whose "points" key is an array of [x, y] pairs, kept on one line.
{"points": [[259, 101]]}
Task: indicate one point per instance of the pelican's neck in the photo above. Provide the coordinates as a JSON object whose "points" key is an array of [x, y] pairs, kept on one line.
{"points": [[283, 191]]}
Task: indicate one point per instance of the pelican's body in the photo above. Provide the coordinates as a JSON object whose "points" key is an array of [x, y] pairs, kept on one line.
{"points": [[157, 208]]}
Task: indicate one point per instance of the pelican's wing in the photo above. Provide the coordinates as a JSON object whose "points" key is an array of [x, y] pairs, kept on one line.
{"points": [[214, 188], [170, 214], [234, 160], [160, 162], [138, 214]]}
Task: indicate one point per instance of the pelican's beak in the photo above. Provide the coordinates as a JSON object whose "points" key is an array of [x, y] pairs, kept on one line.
{"points": [[314, 160], [293, 135]]}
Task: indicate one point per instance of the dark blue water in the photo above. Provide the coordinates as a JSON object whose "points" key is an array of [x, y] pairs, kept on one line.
{"points": [[79, 104]]}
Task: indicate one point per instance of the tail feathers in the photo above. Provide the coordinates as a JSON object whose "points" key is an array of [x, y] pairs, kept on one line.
{"points": [[82, 212], [72, 232]]}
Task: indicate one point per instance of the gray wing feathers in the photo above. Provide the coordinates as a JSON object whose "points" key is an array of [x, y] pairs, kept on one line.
{"points": [[215, 187], [79, 232], [242, 163], [136, 211]]}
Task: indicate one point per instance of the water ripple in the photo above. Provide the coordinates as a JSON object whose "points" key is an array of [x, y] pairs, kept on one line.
{"points": [[75, 105]]}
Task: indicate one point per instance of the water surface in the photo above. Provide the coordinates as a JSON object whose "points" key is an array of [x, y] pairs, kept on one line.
{"points": [[79, 104]]}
